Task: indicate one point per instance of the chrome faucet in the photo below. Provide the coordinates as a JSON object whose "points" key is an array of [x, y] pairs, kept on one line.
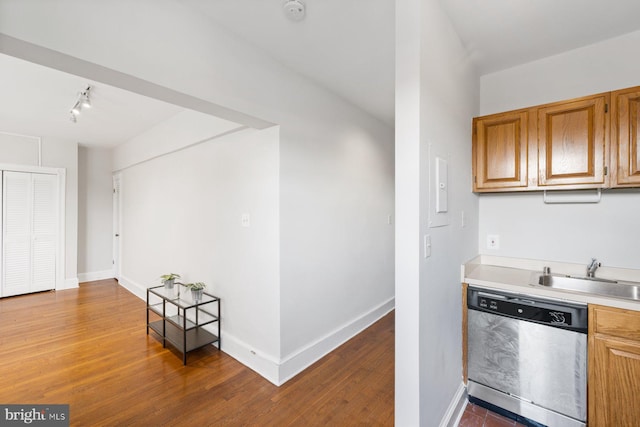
{"points": [[592, 267]]}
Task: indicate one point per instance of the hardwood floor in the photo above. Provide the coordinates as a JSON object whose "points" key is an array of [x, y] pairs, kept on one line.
{"points": [[88, 348]]}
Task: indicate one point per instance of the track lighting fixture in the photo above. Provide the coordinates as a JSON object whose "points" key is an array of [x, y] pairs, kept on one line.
{"points": [[83, 101]]}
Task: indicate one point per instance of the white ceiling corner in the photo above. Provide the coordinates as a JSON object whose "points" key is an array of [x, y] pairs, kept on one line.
{"points": [[500, 34]]}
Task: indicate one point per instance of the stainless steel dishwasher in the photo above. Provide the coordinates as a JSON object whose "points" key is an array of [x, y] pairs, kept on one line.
{"points": [[528, 355]]}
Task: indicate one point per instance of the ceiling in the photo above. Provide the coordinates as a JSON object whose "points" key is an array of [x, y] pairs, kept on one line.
{"points": [[37, 100], [347, 46], [500, 34]]}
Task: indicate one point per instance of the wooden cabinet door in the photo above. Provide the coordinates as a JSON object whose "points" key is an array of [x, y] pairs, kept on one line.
{"points": [[500, 144], [625, 153], [614, 389], [573, 143], [614, 366]]}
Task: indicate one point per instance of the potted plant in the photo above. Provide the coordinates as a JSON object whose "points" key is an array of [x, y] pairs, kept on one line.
{"points": [[197, 289], [169, 280]]}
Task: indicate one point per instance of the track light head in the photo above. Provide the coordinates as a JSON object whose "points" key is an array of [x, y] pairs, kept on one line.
{"points": [[83, 101], [75, 110]]}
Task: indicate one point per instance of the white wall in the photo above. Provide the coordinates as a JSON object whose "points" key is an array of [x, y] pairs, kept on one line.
{"points": [[18, 149], [436, 98], [95, 220], [64, 154], [336, 243], [597, 68], [344, 150], [573, 233], [181, 213], [570, 233]]}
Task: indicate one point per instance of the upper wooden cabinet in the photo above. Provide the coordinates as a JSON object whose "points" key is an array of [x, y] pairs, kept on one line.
{"points": [[558, 146], [500, 144], [573, 143], [625, 153]]}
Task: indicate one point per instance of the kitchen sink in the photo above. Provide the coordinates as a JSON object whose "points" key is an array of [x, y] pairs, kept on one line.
{"points": [[588, 285]]}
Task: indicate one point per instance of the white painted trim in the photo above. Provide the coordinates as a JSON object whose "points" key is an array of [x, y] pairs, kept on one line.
{"points": [[116, 225], [456, 408], [135, 288], [265, 365], [29, 168], [69, 283], [306, 356], [279, 373], [95, 275]]}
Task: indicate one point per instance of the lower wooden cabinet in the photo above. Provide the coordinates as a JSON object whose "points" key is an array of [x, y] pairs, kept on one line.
{"points": [[614, 367]]}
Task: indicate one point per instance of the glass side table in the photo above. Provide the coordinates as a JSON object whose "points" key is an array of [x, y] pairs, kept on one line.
{"points": [[181, 321]]}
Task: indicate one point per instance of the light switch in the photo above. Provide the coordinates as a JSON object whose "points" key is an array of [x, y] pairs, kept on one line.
{"points": [[427, 245]]}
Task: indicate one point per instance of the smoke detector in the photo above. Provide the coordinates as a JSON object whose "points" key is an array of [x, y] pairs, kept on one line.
{"points": [[294, 9]]}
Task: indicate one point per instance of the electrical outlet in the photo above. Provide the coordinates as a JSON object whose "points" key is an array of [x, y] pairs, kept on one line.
{"points": [[493, 241], [246, 220]]}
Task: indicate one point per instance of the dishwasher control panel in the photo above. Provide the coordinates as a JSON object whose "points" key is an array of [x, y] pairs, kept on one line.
{"points": [[525, 307]]}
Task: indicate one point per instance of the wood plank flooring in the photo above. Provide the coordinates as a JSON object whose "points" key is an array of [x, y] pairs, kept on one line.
{"points": [[88, 348]]}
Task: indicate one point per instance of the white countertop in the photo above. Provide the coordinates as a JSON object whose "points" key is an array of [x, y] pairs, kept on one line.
{"points": [[511, 274]]}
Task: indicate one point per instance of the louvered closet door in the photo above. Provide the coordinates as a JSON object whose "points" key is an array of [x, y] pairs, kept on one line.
{"points": [[29, 225], [16, 228], [43, 232]]}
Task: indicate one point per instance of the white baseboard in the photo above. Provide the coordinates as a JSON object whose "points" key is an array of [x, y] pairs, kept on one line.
{"points": [[456, 408], [266, 366], [69, 283], [305, 357], [135, 288], [279, 372], [95, 275]]}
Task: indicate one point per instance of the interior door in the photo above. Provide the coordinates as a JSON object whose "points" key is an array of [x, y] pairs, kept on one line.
{"points": [[30, 228], [44, 226], [16, 220]]}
